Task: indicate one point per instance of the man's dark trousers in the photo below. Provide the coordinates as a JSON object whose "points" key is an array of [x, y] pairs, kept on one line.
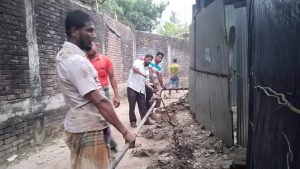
{"points": [[133, 97], [149, 94]]}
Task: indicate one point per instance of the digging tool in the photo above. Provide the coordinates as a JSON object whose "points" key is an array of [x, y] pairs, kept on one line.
{"points": [[182, 88], [169, 117], [121, 154], [157, 101]]}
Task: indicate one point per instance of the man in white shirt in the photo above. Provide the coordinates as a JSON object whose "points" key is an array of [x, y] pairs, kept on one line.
{"points": [[138, 78], [86, 122]]}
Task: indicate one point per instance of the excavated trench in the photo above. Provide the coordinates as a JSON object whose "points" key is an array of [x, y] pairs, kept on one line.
{"points": [[188, 144]]}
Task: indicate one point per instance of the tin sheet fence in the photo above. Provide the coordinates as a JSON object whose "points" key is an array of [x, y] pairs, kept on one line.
{"points": [[209, 72], [274, 108]]}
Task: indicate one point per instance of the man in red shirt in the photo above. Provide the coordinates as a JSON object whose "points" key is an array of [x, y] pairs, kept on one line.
{"points": [[105, 70], [104, 67]]}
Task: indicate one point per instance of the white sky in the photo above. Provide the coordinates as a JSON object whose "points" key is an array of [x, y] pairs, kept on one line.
{"points": [[183, 8]]}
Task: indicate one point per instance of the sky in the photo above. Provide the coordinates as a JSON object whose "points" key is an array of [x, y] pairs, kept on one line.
{"points": [[183, 8]]}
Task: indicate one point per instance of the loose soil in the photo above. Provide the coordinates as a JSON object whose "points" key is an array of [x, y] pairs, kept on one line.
{"points": [[176, 143]]}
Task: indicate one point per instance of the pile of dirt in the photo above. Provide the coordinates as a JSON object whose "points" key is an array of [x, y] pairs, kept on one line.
{"points": [[190, 145]]}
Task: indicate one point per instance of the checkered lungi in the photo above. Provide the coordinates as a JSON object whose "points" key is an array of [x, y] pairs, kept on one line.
{"points": [[89, 150]]}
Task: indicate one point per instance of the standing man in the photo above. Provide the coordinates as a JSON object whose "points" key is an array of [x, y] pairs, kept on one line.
{"points": [[138, 78], [156, 75], [174, 78], [104, 68], [86, 122]]}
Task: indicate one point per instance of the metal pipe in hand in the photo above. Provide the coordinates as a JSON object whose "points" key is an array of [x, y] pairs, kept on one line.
{"points": [[182, 88], [121, 154]]}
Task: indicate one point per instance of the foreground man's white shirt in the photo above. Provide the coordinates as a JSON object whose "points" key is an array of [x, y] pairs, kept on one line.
{"points": [[77, 77]]}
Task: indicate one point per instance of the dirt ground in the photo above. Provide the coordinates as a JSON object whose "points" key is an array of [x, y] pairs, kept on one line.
{"points": [[181, 143]]}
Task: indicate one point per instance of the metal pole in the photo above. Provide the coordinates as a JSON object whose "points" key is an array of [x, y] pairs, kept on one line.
{"points": [[121, 154], [182, 88]]}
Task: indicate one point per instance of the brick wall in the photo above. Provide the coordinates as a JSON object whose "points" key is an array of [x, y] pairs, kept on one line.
{"points": [[119, 47], [14, 68], [30, 101], [50, 36], [113, 50]]}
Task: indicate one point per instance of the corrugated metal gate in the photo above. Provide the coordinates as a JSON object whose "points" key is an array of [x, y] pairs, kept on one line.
{"points": [[209, 74], [274, 108], [241, 53]]}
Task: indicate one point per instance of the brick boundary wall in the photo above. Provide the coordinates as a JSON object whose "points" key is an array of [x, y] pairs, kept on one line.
{"points": [[31, 34]]}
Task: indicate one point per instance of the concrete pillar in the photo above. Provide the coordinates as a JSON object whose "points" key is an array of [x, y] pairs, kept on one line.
{"points": [[169, 56], [134, 45], [34, 70], [34, 63]]}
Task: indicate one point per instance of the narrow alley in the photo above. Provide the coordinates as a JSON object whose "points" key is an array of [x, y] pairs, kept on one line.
{"points": [[160, 146], [149, 84]]}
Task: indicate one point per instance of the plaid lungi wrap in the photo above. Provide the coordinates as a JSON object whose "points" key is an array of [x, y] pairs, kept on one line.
{"points": [[89, 150]]}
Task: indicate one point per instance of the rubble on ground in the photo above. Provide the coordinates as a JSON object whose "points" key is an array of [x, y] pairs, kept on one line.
{"points": [[191, 146]]}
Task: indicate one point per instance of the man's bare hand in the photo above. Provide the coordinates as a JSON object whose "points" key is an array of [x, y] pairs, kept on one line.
{"points": [[129, 138], [117, 102], [165, 86]]}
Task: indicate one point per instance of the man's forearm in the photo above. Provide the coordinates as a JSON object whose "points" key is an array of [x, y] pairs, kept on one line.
{"points": [[136, 70], [160, 80], [148, 85], [106, 109], [114, 85]]}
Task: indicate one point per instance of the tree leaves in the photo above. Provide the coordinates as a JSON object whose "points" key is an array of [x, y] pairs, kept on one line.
{"points": [[139, 14], [173, 27]]}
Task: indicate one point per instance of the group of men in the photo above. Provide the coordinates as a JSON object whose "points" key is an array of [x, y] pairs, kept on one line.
{"points": [[83, 75], [142, 83]]}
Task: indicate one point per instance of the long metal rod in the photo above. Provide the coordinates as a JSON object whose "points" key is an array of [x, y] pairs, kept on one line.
{"points": [[169, 117], [121, 154], [182, 88]]}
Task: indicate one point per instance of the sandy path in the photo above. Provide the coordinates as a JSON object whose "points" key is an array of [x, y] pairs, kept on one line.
{"points": [[55, 154]]}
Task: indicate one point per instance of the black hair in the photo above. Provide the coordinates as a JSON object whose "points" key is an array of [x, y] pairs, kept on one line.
{"points": [[161, 54], [149, 56], [174, 60], [76, 19]]}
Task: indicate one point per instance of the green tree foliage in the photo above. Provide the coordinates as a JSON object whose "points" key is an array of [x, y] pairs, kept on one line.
{"points": [[173, 27], [139, 14]]}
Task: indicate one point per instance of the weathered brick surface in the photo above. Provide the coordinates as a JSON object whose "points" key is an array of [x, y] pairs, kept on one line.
{"points": [[17, 142], [114, 39], [119, 47], [50, 37], [14, 136], [113, 46], [14, 68], [17, 132], [5, 136]]}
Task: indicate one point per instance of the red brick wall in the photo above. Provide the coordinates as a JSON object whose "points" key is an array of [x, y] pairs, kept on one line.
{"points": [[120, 38], [113, 50], [19, 110]]}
